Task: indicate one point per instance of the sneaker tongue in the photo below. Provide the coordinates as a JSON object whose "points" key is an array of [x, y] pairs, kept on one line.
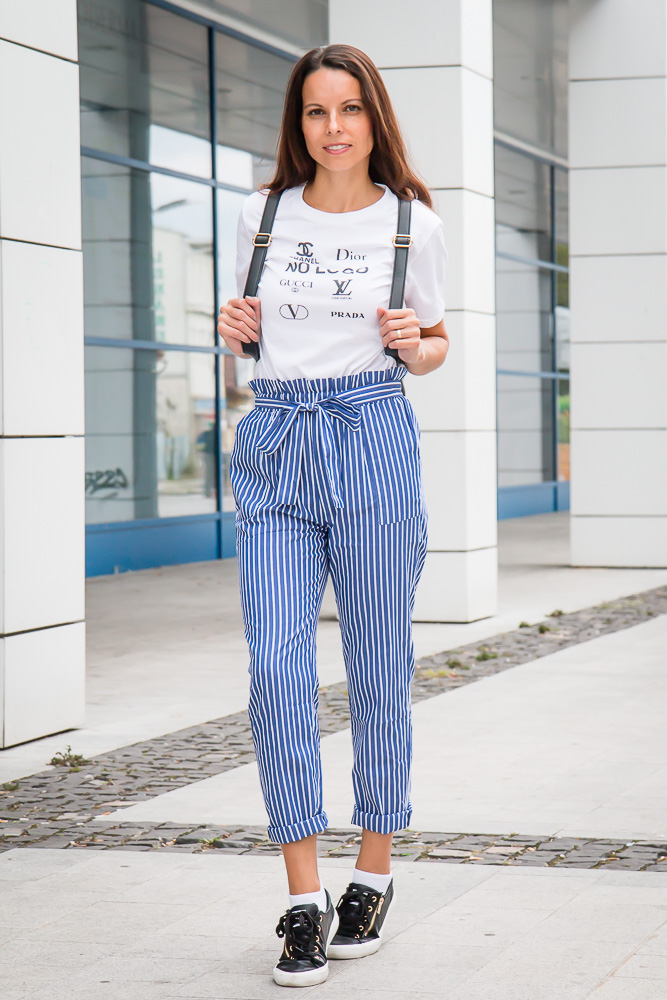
{"points": [[310, 907]]}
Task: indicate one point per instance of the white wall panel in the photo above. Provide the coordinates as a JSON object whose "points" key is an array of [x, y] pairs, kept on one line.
{"points": [[48, 25], [457, 586], [618, 541], [41, 324], [432, 33], [44, 682], [617, 39], [619, 211], [460, 394], [619, 472], [469, 222], [622, 385], [42, 511], [618, 298], [617, 123], [40, 174], [435, 107], [460, 489]]}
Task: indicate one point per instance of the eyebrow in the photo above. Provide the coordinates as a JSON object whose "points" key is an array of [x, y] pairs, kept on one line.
{"points": [[350, 100]]}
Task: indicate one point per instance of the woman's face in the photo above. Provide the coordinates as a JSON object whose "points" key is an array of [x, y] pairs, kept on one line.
{"points": [[334, 116]]}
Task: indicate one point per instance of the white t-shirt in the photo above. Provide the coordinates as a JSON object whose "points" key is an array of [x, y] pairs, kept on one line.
{"points": [[325, 274]]}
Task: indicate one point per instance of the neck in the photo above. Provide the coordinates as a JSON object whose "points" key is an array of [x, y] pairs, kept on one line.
{"points": [[341, 191]]}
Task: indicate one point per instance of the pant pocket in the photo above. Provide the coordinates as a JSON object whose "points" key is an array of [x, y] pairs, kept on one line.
{"points": [[393, 460]]}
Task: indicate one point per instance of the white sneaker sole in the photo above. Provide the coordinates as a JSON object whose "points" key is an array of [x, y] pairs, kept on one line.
{"points": [[343, 951], [312, 978]]}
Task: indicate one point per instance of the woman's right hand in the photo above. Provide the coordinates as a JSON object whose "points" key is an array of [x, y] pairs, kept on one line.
{"points": [[239, 322]]}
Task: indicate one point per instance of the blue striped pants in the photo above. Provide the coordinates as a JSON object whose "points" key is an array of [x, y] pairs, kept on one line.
{"points": [[327, 478]]}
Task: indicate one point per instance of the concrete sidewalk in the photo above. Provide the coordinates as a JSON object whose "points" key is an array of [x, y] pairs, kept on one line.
{"points": [[573, 743]]}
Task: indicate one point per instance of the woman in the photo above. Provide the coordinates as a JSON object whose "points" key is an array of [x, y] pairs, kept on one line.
{"points": [[327, 478]]}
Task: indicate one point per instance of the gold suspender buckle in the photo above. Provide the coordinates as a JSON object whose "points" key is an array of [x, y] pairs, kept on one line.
{"points": [[402, 236], [256, 242]]}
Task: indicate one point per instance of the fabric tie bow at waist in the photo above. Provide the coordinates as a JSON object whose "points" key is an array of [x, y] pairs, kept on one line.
{"points": [[344, 406]]}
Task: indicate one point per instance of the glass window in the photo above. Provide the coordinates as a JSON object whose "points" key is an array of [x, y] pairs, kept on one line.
{"points": [[525, 430], [144, 84], [523, 209], [523, 316], [250, 89], [150, 441], [148, 255], [530, 71]]}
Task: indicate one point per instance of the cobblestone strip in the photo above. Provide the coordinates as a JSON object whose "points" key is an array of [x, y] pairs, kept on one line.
{"points": [[411, 845], [52, 802]]}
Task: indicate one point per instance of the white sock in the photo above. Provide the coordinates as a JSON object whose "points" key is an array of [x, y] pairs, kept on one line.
{"points": [[376, 881], [318, 897]]}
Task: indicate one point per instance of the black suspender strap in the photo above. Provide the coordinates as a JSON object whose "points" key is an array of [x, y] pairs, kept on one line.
{"points": [[260, 241], [402, 242]]}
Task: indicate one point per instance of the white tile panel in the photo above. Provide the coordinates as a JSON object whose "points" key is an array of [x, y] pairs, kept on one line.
{"points": [[469, 224], [436, 107], [40, 174], [618, 541], [619, 385], [617, 39], [43, 675], [619, 298], [619, 472], [438, 32], [618, 211], [461, 394], [41, 322], [42, 525], [617, 123], [458, 586], [48, 25], [460, 489]]}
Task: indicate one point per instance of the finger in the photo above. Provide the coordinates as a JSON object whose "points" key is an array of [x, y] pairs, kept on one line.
{"points": [[257, 306], [238, 331], [245, 315]]}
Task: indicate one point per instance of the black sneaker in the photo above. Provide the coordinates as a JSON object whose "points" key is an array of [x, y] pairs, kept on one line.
{"points": [[361, 913], [307, 931]]}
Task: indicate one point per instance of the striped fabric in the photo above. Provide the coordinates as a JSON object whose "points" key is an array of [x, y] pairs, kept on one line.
{"points": [[327, 478]]}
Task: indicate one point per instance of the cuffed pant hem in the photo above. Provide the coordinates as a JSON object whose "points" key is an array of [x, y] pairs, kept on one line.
{"points": [[382, 824], [297, 831]]}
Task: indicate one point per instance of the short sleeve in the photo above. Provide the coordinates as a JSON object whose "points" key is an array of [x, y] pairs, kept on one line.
{"points": [[425, 278]]}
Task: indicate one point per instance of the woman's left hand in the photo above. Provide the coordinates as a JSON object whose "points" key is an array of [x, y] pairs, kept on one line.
{"points": [[405, 320]]}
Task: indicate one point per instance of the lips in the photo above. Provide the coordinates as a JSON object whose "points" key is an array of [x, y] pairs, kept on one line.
{"points": [[336, 147]]}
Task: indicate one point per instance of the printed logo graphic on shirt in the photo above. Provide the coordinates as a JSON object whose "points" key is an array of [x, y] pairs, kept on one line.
{"points": [[290, 311], [346, 315], [295, 285], [305, 249], [342, 287], [344, 254]]}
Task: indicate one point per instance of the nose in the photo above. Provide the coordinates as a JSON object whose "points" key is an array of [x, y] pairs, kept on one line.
{"points": [[332, 124]]}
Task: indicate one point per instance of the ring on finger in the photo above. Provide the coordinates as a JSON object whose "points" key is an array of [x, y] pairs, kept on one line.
{"points": [[399, 334]]}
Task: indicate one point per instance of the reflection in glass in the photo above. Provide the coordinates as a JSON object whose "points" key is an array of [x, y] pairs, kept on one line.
{"points": [[522, 199], [148, 256], [144, 84], [525, 430], [150, 441], [564, 429], [530, 71], [523, 316], [250, 89]]}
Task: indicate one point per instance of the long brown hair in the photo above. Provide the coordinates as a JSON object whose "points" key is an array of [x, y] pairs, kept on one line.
{"points": [[388, 164]]}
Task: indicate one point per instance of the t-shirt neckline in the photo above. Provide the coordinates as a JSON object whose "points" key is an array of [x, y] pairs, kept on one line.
{"points": [[319, 213]]}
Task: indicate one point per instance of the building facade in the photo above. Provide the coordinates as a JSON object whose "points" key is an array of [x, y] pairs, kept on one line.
{"points": [[132, 130]]}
